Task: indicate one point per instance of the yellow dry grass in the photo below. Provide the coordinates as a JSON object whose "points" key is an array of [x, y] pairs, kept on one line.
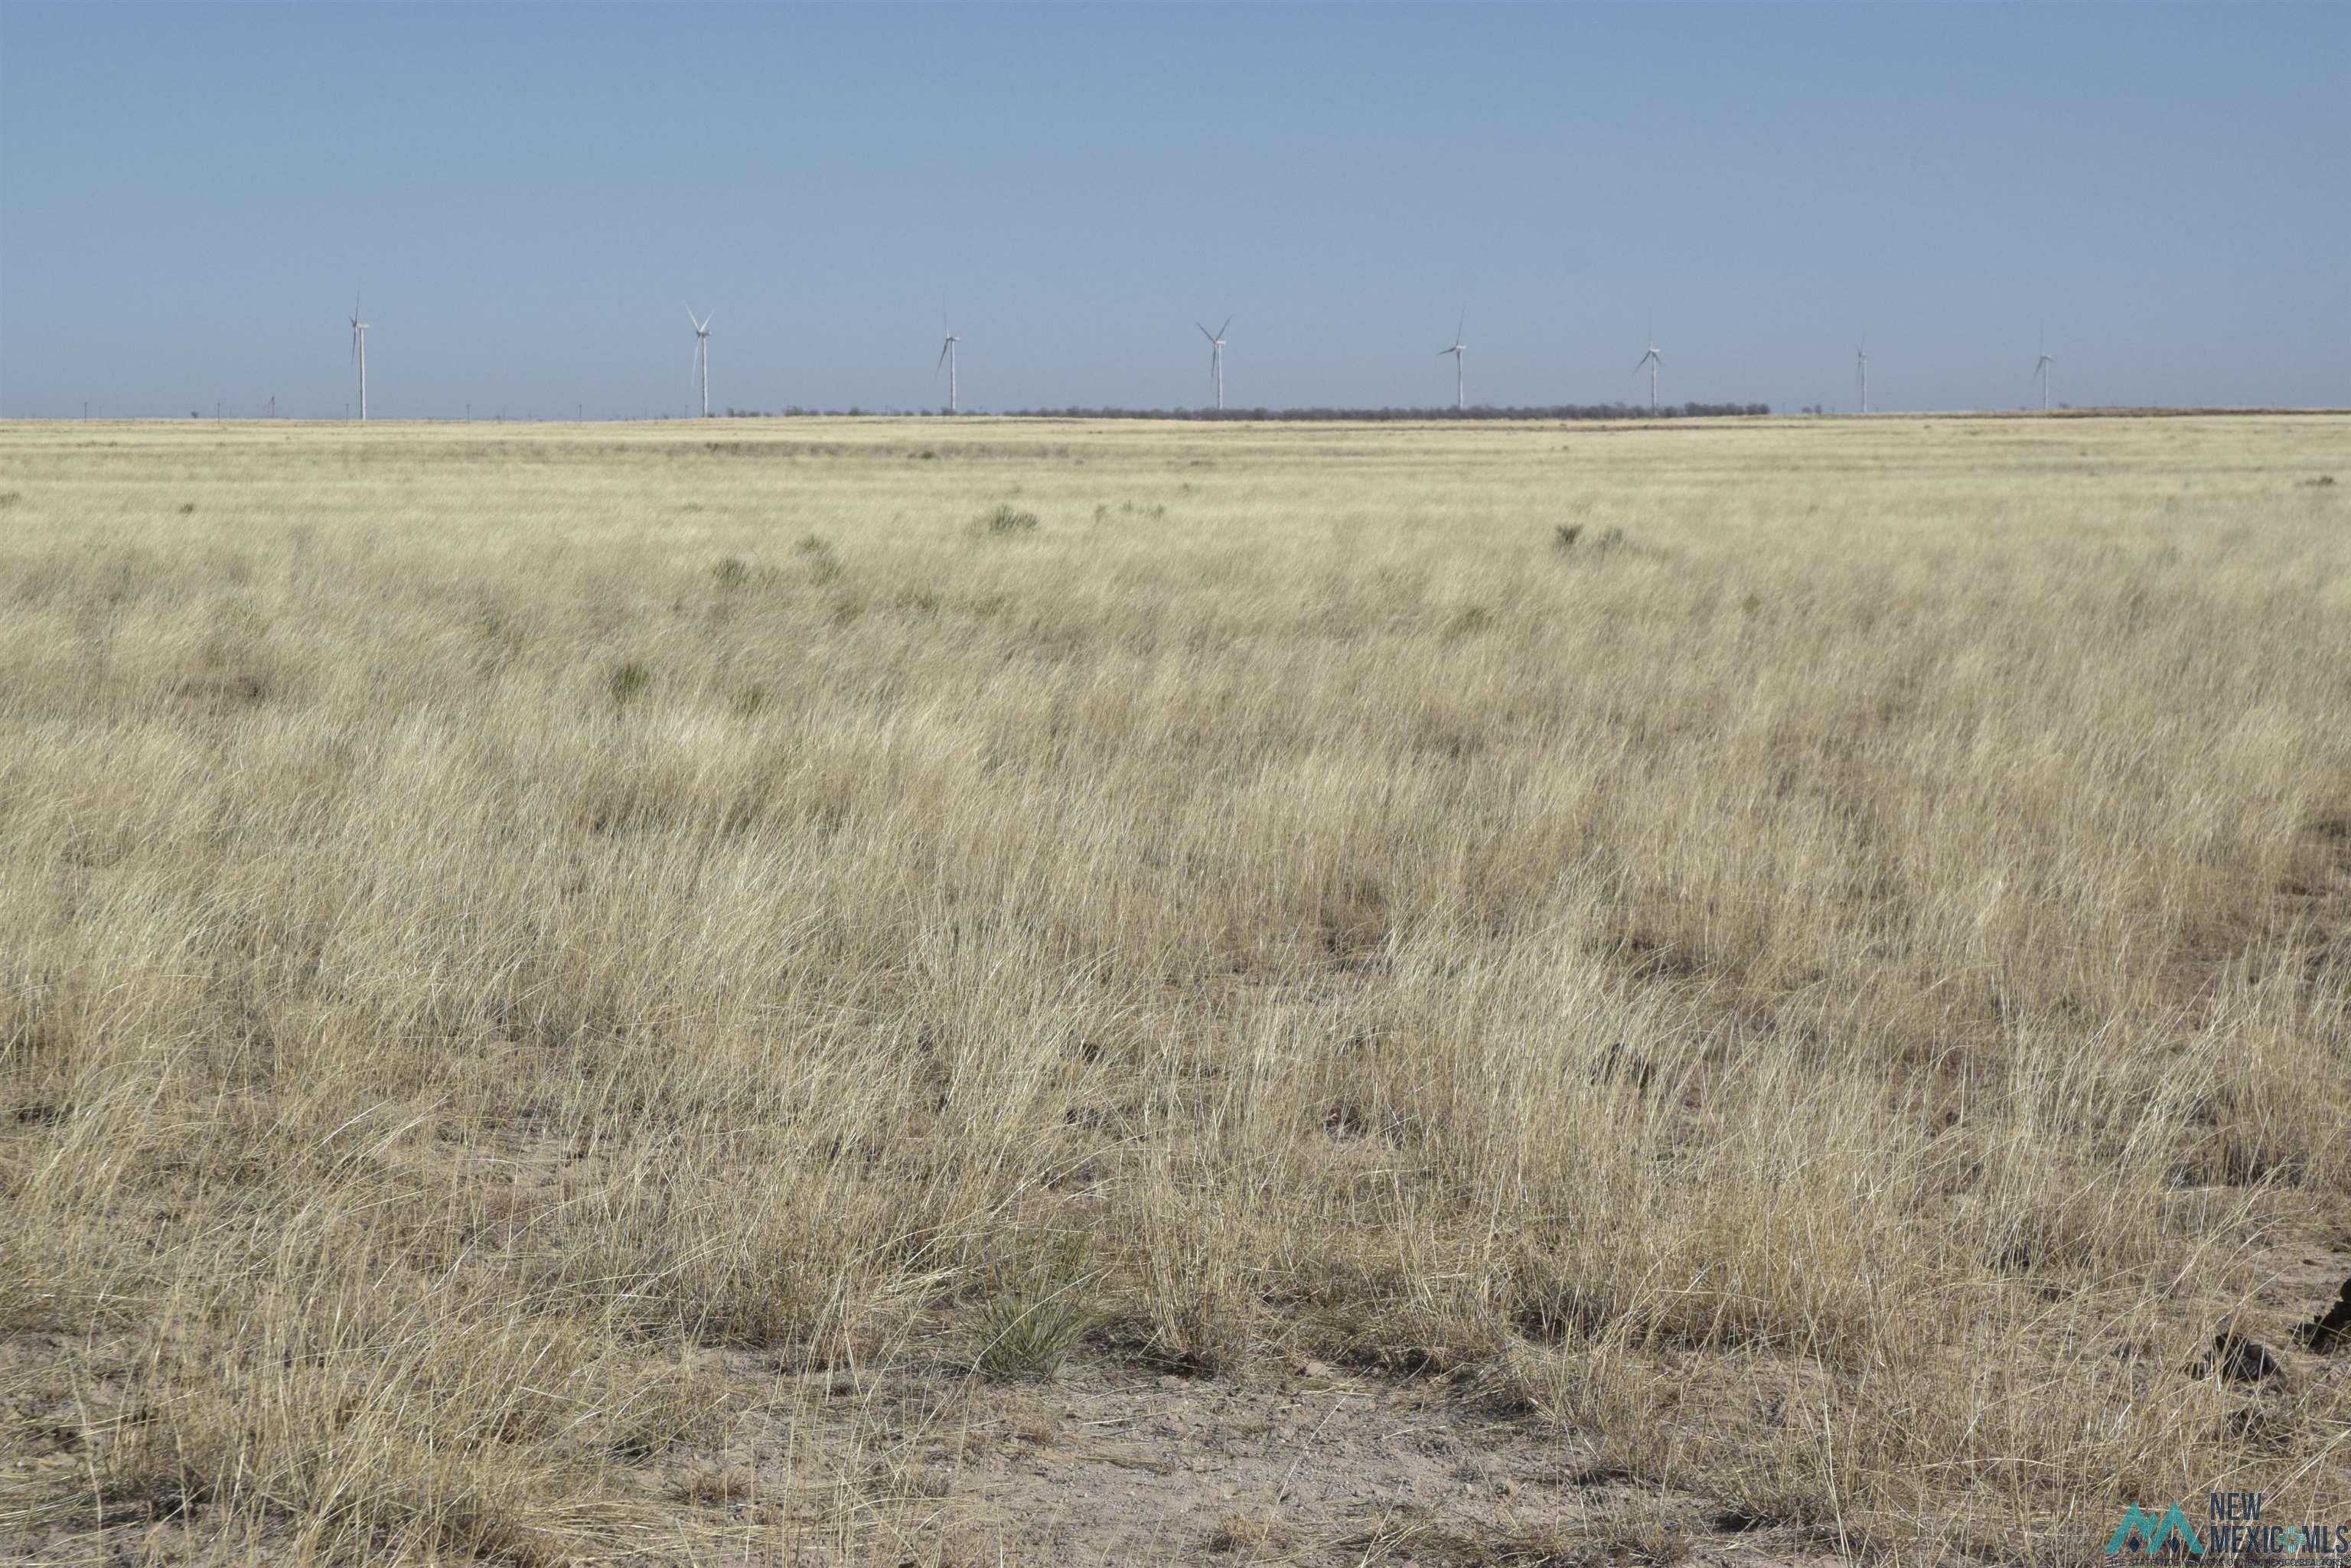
{"points": [[1831, 988]]}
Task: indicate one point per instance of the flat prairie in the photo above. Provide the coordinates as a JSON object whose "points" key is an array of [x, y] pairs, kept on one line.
{"points": [[957, 992]]}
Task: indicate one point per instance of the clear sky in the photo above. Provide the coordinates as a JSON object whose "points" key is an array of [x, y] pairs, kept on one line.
{"points": [[531, 195]]}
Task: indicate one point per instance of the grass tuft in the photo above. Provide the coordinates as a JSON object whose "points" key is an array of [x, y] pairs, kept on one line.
{"points": [[1004, 518]]}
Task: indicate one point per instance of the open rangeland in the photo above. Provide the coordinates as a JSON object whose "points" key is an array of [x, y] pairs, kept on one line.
{"points": [[992, 992]]}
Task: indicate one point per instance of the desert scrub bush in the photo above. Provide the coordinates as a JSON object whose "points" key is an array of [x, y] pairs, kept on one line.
{"points": [[1007, 519], [1028, 1330], [731, 573]]}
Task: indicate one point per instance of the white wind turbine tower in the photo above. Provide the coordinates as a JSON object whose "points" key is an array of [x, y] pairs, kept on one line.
{"points": [[947, 359], [1460, 352], [2041, 372], [1216, 358], [358, 351], [1861, 361], [1652, 360], [702, 355]]}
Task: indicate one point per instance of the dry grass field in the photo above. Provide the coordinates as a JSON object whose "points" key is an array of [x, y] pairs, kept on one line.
{"points": [[1459, 994]]}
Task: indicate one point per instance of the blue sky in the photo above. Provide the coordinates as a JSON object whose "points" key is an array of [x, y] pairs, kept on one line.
{"points": [[532, 194]]}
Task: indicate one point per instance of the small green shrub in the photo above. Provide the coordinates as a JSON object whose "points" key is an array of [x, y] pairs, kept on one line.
{"points": [[627, 681], [1564, 536], [1006, 520], [731, 573], [749, 702]]}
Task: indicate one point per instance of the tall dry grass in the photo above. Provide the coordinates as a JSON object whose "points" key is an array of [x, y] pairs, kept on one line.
{"points": [[1838, 992]]}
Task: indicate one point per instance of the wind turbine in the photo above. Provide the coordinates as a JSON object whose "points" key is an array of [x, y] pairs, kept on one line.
{"points": [[358, 351], [1652, 360], [947, 357], [1459, 350], [1216, 358], [1861, 360], [702, 355], [2041, 372]]}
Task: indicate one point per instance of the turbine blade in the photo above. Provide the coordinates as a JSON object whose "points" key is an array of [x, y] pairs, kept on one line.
{"points": [[1228, 321], [943, 361], [1461, 323], [1205, 332]]}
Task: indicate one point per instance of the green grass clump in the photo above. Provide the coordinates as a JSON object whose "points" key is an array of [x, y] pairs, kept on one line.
{"points": [[1026, 1333]]}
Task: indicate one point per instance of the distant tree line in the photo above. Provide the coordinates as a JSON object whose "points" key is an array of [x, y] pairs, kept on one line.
{"points": [[1350, 415], [1357, 416]]}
